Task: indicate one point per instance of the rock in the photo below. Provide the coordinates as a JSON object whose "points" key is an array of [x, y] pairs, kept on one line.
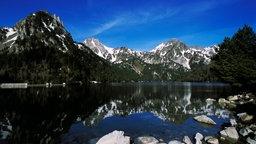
{"points": [[241, 114], [250, 141], [230, 134], [115, 137], [204, 119], [233, 122], [211, 140], [232, 105], [174, 142], [222, 102], [253, 127], [146, 140], [209, 100], [199, 137], [245, 131], [187, 140], [233, 98], [247, 97], [251, 100], [245, 117]]}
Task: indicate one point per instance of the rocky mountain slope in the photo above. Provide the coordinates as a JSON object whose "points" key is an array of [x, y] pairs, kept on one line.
{"points": [[172, 52], [39, 49], [163, 62]]}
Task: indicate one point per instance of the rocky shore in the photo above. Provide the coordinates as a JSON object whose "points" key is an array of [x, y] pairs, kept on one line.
{"points": [[243, 107], [241, 129]]}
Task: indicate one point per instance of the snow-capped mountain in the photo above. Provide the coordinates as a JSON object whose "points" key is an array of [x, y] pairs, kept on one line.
{"points": [[179, 53], [100, 49], [115, 55], [39, 49], [174, 54], [39, 27]]}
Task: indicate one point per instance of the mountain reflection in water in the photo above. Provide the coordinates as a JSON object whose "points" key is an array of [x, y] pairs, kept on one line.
{"points": [[45, 115], [173, 102]]}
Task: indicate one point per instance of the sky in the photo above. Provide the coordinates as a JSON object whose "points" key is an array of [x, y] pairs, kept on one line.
{"points": [[141, 24]]}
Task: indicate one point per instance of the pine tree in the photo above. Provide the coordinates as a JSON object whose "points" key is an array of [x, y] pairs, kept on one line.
{"points": [[235, 62]]}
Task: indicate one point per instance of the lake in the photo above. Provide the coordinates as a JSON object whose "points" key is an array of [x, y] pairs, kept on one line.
{"points": [[80, 114]]}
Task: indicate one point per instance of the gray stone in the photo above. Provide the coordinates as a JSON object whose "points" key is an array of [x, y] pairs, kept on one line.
{"points": [[199, 137], [209, 100], [233, 122], [146, 140], [174, 142], [250, 141], [241, 114], [245, 117], [222, 102], [211, 140], [204, 119], [245, 131], [230, 134], [233, 98], [253, 127], [187, 140], [232, 105], [114, 137]]}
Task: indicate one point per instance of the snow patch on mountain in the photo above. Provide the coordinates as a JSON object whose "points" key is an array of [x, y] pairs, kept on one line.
{"points": [[100, 49], [168, 53], [10, 32]]}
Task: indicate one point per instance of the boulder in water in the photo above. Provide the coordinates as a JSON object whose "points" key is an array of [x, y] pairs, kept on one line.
{"points": [[204, 119], [230, 134], [146, 140], [115, 137]]}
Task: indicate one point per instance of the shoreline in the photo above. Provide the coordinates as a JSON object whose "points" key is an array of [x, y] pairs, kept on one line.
{"points": [[242, 129]]}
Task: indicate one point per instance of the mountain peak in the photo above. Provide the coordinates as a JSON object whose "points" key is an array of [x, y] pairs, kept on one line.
{"points": [[37, 30], [175, 40], [40, 20], [93, 42], [173, 43], [97, 47]]}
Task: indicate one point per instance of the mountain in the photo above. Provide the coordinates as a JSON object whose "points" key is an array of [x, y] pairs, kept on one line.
{"points": [[178, 52], [164, 62], [114, 55], [173, 51], [39, 49]]}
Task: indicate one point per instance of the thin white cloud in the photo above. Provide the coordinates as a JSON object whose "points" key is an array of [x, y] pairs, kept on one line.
{"points": [[132, 18], [106, 26]]}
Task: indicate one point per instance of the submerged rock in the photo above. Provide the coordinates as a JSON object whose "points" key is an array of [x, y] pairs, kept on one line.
{"points": [[230, 134], [204, 119], [146, 140], [115, 137]]}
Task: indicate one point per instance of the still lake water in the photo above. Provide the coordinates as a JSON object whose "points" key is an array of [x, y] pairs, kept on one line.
{"points": [[83, 114]]}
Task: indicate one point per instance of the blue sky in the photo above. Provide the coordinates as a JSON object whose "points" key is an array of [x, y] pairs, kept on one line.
{"points": [[141, 24]]}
